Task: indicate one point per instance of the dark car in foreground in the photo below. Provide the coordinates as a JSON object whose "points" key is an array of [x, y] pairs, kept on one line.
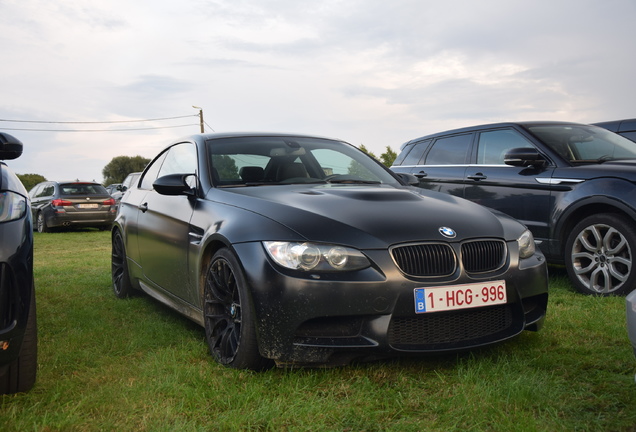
{"points": [[626, 128], [18, 323], [572, 184], [71, 204], [302, 250]]}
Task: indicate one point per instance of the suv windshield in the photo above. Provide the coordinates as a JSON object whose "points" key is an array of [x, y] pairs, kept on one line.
{"points": [[254, 161], [585, 144]]}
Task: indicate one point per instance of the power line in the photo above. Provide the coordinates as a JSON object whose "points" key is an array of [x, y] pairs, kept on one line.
{"points": [[96, 122], [97, 130]]}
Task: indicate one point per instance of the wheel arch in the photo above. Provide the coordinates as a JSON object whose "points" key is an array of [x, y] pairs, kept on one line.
{"points": [[211, 247], [583, 209]]}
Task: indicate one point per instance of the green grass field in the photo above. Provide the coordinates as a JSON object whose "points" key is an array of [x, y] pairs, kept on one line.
{"points": [[133, 365]]}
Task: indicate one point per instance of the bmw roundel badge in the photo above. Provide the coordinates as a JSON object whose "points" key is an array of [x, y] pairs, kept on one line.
{"points": [[447, 232]]}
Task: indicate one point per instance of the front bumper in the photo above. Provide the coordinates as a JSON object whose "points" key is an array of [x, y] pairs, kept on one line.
{"points": [[335, 318]]}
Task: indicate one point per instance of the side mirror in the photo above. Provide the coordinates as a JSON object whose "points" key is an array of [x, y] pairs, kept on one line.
{"points": [[408, 179], [523, 157], [174, 184], [10, 147]]}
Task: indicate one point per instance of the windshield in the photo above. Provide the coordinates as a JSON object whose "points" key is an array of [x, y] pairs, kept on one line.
{"points": [[585, 144], [256, 161]]}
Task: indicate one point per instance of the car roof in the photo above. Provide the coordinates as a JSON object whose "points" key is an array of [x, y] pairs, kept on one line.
{"points": [[217, 135], [492, 126], [618, 125]]}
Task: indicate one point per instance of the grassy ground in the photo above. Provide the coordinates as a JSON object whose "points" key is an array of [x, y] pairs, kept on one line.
{"points": [[133, 365]]}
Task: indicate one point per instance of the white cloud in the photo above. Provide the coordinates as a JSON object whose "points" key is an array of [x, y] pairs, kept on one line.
{"points": [[370, 72]]}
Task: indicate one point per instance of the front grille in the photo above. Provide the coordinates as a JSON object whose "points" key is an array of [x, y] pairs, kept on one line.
{"points": [[483, 256], [439, 259], [451, 330], [430, 259]]}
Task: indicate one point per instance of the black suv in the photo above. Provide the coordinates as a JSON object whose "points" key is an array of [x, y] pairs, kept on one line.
{"points": [[573, 185], [18, 330]]}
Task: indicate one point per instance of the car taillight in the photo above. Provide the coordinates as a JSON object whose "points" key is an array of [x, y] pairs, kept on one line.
{"points": [[110, 201], [61, 203]]}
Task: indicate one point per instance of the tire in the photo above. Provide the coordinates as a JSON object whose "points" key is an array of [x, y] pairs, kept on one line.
{"points": [[122, 286], [20, 375], [228, 315], [599, 255], [41, 223]]}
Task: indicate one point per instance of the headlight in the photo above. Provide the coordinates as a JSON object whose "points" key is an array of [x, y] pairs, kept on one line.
{"points": [[526, 245], [12, 206], [315, 257]]}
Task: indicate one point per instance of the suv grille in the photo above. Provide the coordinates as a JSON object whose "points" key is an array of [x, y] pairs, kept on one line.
{"points": [[439, 259]]}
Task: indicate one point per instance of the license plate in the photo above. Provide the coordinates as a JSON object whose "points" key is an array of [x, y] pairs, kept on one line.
{"points": [[444, 298], [88, 206]]}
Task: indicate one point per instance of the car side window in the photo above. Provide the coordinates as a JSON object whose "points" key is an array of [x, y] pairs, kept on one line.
{"points": [[450, 150], [152, 172], [417, 151], [47, 190], [34, 192], [178, 159], [493, 145]]}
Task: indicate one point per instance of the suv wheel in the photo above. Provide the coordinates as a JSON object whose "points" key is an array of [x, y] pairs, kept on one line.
{"points": [[600, 255]]}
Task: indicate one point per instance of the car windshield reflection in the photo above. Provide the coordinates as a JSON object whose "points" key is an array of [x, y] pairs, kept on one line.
{"points": [[265, 161], [585, 144]]}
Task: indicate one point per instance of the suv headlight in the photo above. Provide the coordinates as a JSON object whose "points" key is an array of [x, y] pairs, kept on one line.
{"points": [[12, 206], [315, 257], [526, 245]]}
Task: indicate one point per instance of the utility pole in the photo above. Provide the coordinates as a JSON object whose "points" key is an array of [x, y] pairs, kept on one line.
{"points": [[200, 117]]}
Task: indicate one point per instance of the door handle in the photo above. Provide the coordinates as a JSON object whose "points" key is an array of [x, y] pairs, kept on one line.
{"points": [[144, 207], [421, 174], [477, 177]]}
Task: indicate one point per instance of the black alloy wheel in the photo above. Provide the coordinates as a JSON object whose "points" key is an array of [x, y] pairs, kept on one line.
{"points": [[119, 267], [600, 255], [228, 316]]}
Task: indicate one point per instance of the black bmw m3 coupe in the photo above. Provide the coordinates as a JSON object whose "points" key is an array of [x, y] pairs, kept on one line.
{"points": [[302, 250]]}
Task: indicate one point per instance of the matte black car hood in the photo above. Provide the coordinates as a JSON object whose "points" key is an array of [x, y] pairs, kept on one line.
{"points": [[369, 216]]}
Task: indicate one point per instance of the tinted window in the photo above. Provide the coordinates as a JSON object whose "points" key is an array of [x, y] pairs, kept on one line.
{"points": [[415, 154], [493, 145], [81, 189], [47, 190], [629, 135], [449, 151], [181, 159], [34, 192], [152, 172], [277, 160], [584, 144]]}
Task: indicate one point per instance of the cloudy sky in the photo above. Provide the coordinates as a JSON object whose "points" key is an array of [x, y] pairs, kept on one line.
{"points": [[77, 75]]}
